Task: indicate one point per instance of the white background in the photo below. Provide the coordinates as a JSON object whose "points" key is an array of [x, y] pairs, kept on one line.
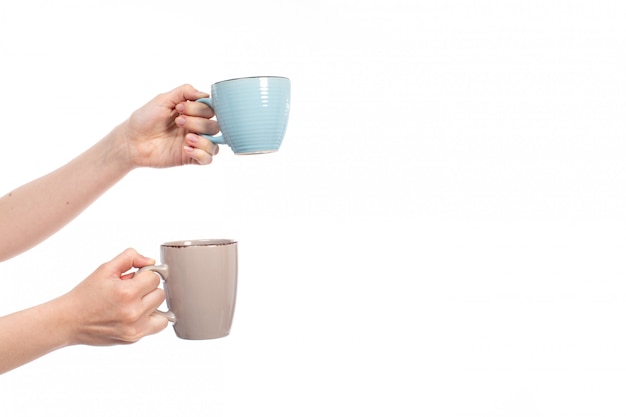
{"points": [[441, 234]]}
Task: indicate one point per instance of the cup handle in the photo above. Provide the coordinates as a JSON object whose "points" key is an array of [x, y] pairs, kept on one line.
{"points": [[217, 139], [163, 272]]}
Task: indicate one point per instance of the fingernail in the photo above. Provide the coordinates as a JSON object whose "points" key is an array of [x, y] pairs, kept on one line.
{"points": [[193, 139], [180, 121], [188, 149], [180, 107]]}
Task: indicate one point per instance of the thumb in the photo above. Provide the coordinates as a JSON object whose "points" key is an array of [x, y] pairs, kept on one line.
{"points": [[184, 93]]}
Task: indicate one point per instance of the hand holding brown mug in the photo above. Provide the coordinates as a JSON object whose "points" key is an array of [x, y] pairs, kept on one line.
{"points": [[107, 308], [111, 308]]}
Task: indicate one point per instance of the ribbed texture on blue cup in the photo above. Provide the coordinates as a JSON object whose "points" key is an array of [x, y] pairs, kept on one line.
{"points": [[252, 112]]}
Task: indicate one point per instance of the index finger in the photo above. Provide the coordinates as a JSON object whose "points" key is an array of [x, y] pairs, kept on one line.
{"points": [[195, 109], [145, 282]]}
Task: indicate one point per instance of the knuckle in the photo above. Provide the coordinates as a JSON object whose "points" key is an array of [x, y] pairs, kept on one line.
{"points": [[130, 314], [124, 294]]}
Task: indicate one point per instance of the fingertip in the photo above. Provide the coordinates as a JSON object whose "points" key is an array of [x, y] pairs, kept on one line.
{"points": [[199, 157], [192, 139], [159, 323]]}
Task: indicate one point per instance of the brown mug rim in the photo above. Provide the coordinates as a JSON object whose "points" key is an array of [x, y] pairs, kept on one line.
{"points": [[198, 242]]}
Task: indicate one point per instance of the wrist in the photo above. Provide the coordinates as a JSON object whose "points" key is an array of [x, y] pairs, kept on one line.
{"points": [[117, 149], [63, 319]]}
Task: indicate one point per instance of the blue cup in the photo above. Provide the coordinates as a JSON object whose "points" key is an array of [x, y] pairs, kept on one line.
{"points": [[252, 113]]}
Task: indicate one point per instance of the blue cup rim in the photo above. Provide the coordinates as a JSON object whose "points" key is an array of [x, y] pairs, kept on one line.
{"points": [[252, 77]]}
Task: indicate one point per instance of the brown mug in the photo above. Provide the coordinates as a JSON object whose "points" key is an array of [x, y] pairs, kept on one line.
{"points": [[200, 283]]}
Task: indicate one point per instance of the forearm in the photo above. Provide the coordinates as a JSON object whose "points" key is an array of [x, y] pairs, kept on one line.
{"points": [[34, 211], [32, 333]]}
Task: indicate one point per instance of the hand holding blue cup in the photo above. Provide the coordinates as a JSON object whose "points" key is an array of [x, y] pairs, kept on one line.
{"points": [[252, 113]]}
